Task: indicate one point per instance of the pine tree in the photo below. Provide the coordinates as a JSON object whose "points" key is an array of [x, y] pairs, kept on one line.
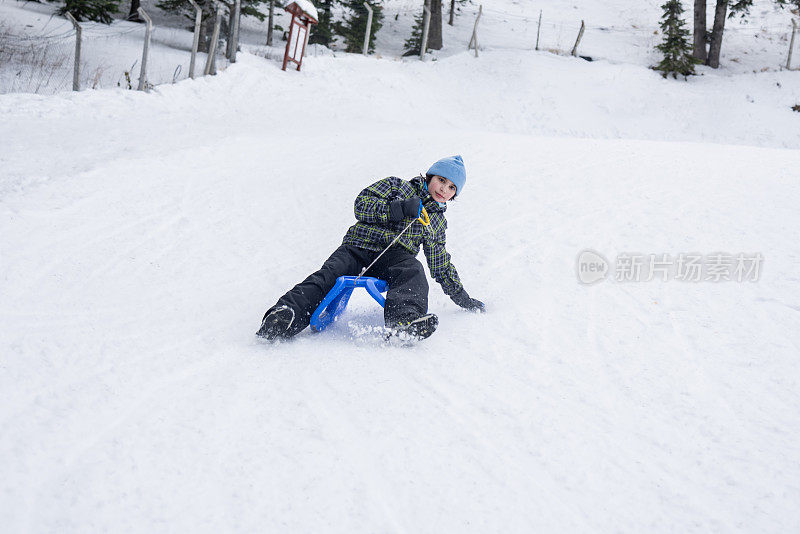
{"points": [[413, 44], [354, 27], [324, 32], [95, 10], [676, 47]]}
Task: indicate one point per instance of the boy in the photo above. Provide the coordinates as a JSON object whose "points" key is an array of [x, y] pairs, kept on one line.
{"points": [[383, 210]]}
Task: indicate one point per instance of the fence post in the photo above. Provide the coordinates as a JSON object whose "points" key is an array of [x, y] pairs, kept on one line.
{"points": [[369, 29], [146, 51], [578, 41], [198, 17], [474, 38], [76, 71], [538, 29], [791, 46], [237, 12], [425, 27], [214, 38]]}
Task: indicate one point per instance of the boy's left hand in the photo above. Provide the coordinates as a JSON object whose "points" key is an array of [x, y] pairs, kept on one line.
{"points": [[463, 299], [400, 209]]}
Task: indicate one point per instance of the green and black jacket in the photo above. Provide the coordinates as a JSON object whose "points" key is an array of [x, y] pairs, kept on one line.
{"points": [[374, 231]]}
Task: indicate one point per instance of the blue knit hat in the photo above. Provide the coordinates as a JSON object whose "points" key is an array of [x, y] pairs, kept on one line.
{"points": [[453, 169]]}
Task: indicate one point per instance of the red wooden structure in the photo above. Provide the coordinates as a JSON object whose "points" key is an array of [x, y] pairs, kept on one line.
{"points": [[298, 34]]}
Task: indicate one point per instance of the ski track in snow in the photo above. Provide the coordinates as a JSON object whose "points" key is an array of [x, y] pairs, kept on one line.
{"points": [[137, 399]]}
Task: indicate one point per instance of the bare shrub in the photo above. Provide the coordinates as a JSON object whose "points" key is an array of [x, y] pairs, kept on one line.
{"points": [[28, 64]]}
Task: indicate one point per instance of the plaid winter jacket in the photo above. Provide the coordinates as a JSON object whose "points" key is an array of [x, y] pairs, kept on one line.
{"points": [[374, 231]]}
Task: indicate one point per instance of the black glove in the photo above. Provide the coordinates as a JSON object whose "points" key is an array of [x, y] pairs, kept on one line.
{"points": [[400, 209], [463, 299]]}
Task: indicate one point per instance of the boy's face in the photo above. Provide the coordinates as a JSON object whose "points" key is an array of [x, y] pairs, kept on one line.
{"points": [[441, 189]]}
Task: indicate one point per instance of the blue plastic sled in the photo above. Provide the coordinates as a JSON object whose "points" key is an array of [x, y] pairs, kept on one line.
{"points": [[337, 298]]}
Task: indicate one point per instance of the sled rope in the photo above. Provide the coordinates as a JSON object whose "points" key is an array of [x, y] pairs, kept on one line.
{"points": [[423, 218]]}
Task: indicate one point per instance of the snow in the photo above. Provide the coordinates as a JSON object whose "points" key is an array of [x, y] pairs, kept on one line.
{"points": [[142, 237], [307, 7]]}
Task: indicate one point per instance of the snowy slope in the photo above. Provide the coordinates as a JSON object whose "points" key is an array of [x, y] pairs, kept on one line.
{"points": [[143, 236]]}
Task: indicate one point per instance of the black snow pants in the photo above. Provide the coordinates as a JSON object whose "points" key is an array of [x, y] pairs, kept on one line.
{"points": [[406, 298]]}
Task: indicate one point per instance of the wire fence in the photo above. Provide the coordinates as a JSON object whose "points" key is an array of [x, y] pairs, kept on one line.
{"points": [[500, 29], [110, 56], [765, 43]]}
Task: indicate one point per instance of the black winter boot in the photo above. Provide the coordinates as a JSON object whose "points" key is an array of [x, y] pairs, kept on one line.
{"points": [[419, 328], [276, 323]]}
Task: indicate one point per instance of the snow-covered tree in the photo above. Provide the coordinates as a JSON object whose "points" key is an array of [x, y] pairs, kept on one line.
{"points": [[435, 42], [676, 47], [413, 44], [185, 8], [721, 12], [95, 10], [435, 32], [700, 52], [133, 13], [715, 43], [354, 26]]}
